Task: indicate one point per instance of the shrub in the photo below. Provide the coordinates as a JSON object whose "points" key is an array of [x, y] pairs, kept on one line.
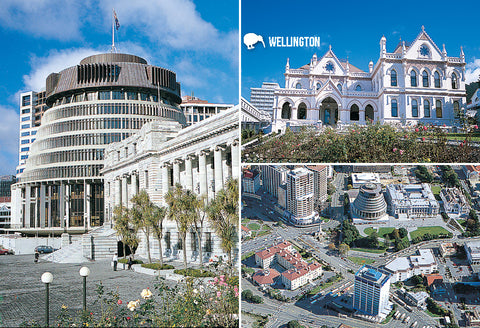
{"points": [[157, 266], [125, 261], [198, 273]]}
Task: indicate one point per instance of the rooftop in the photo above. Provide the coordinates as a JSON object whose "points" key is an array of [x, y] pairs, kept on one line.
{"points": [[269, 252]]}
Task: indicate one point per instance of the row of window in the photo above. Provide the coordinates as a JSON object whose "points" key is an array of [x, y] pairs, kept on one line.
{"points": [[426, 108], [425, 79], [105, 109], [96, 124], [69, 156], [81, 140], [81, 171], [112, 95]]}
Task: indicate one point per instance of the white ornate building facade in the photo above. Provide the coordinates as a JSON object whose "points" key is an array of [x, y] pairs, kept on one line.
{"points": [[417, 82]]}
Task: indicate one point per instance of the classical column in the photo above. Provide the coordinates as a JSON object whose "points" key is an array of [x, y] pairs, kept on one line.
{"points": [[49, 217], [235, 159], [124, 190], [188, 173], [88, 197], [218, 171], [67, 205], [176, 172], [118, 191], [61, 203], [202, 171], [28, 190], [165, 179], [42, 205], [133, 177]]}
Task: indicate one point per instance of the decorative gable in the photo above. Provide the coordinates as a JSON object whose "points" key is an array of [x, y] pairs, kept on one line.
{"points": [[328, 65], [423, 47]]}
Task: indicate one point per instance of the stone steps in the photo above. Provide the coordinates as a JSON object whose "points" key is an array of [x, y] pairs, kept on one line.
{"points": [[68, 254]]}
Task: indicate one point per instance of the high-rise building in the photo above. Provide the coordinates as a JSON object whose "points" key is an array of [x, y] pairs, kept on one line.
{"points": [[104, 99], [197, 110], [6, 182], [250, 181], [300, 194], [320, 173], [264, 98], [272, 177], [32, 108], [371, 291]]}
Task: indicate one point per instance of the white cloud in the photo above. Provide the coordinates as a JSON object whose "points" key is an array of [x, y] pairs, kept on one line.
{"points": [[8, 140], [176, 24], [472, 71], [44, 18]]}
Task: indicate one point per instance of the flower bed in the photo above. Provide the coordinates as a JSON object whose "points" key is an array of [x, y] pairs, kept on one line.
{"points": [[198, 273], [157, 266], [125, 261]]}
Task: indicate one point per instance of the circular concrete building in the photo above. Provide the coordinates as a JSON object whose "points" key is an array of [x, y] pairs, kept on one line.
{"points": [[370, 203], [106, 98]]}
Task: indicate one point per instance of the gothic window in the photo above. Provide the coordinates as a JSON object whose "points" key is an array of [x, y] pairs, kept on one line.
{"points": [[302, 111], [393, 78], [358, 87], [394, 108], [425, 79], [329, 67], [319, 85], [413, 78], [426, 108], [437, 80], [354, 113], [424, 51], [456, 108], [414, 108], [369, 115], [286, 111], [454, 81], [438, 108], [339, 86], [298, 85]]}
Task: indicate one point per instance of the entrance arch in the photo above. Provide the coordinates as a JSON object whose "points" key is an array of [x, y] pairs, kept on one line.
{"points": [[329, 111], [369, 114], [354, 113], [302, 111], [286, 111]]}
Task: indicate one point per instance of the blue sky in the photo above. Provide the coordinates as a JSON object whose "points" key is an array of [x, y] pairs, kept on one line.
{"points": [[353, 29], [198, 40]]}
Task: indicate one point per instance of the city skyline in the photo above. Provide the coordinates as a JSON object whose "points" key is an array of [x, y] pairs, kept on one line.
{"points": [[359, 42], [201, 46]]}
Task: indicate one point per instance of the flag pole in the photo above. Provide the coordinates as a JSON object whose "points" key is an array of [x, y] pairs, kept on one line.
{"points": [[113, 31]]}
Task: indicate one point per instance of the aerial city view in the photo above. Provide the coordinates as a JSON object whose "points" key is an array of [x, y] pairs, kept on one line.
{"points": [[356, 246], [119, 198]]}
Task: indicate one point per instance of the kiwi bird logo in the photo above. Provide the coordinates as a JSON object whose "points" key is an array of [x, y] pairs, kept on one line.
{"points": [[250, 39]]}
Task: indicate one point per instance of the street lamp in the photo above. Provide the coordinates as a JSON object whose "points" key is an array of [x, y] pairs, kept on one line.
{"points": [[84, 272], [47, 278]]}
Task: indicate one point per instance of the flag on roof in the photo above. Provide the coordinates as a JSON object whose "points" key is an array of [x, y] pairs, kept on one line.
{"points": [[117, 23]]}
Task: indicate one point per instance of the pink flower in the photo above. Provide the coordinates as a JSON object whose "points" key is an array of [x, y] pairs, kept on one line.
{"points": [[475, 126], [235, 289], [416, 130], [406, 136], [401, 151], [353, 130], [119, 302], [215, 279], [222, 277], [423, 139], [444, 125], [219, 294], [394, 149], [425, 128]]}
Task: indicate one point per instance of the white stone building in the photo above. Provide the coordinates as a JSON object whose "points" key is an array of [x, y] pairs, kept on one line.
{"points": [[197, 110], [454, 201], [415, 83], [403, 268], [472, 248], [411, 201]]}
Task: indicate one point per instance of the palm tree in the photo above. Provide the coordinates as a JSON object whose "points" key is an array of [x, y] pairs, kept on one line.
{"points": [[141, 215], [180, 210], [121, 226], [156, 223], [223, 215], [200, 208]]}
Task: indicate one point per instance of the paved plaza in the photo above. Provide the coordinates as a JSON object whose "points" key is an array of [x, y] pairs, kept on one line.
{"points": [[22, 294]]}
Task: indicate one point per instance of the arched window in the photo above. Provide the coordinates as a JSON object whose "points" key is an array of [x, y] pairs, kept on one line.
{"points": [[298, 85], [339, 86], [414, 108], [286, 111], [394, 108], [393, 78], [438, 108], [454, 81], [426, 108], [456, 108], [426, 83], [354, 113], [369, 115], [319, 85], [413, 78], [437, 80], [302, 111], [358, 87]]}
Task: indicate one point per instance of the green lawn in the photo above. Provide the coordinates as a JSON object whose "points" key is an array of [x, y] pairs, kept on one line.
{"points": [[369, 250], [368, 231], [253, 226], [436, 189], [384, 231], [247, 255], [424, 230], [432, 314], [461, 222], [360, 260]]}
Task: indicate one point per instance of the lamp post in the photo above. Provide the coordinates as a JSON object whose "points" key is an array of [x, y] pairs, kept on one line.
{"points": [[84, 272], [47, 278]]}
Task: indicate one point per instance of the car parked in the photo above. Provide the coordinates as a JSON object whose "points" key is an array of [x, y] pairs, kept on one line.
{"points": [[4, 251], [43, 249]]}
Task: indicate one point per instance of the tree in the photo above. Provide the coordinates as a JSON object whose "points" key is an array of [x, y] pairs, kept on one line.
{"points": [[331, 246], [343, 249], [294, 324], [156, 223], [121, 226], [223, 216], [141, 215], [181, 211], [403, 232], [200, 207]]}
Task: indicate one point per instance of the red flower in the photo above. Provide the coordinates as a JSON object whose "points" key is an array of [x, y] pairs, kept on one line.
{"points": [[423, 139], [119, 302], [425, 128], [406, 136], [475, 126], [128, 318], [416, 130], [91, 313]]}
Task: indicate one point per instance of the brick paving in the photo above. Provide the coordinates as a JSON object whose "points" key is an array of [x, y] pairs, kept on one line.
{"points": [[22, 294]]}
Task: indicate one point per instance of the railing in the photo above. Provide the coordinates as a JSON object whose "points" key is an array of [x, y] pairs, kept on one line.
{"points": [[454, 60], [298, 71], [393, 56], [357, 74], [302, 92]]}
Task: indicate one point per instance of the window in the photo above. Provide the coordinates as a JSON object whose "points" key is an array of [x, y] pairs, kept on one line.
{"points": [[298, 86], [24, 157], [132, 96], [394, 108], [118, 95], [437, 80], [393, 78], [302, 111], [438, 108], [413, 78], [426, 108], [34, 133], [25, 111], [454, 81], [25, 149], [144, 96], [26, 134], [456, 108], [426, 83], [414, 108], [339, 86], [25, 126], [25, 118], [104, 95], [319, 85], [358, 87], [26, 101], [354, 113], [33, 140], [286, 111], [25, 141]]}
